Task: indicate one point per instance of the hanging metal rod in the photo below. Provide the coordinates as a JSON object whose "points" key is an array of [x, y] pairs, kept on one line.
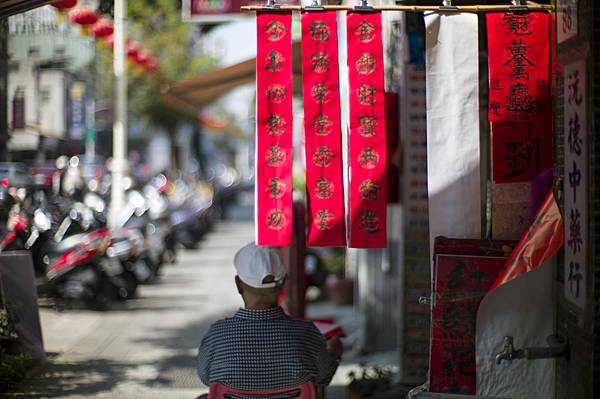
{"points": [[475, 8]]}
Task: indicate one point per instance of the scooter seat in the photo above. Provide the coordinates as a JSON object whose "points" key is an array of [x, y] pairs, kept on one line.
{"points": [[67, 244]]}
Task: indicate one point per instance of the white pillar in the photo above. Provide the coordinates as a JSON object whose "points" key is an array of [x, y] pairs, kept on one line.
{"points": [[120, 115]]}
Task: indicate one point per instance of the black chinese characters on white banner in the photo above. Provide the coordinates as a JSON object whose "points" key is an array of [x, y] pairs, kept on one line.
{"points": [[575, 182]]}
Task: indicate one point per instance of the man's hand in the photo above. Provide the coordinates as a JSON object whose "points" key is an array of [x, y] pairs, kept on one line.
{"points": [[334, 345]]}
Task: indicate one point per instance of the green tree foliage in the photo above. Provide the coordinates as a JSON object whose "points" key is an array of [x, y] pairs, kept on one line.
{"points": [[157, 26]]}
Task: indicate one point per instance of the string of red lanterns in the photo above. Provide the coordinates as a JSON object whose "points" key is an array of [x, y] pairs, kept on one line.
{"points": [[102, 28]]}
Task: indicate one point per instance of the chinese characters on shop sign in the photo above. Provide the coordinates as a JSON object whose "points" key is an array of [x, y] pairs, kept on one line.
{"points": [[575, 183]]}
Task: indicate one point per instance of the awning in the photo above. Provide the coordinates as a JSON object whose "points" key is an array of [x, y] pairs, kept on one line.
{"points": [[194, 93], [12, 7]]}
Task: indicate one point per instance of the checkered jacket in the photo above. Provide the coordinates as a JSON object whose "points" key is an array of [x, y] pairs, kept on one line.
{"points": [[258, 350]]}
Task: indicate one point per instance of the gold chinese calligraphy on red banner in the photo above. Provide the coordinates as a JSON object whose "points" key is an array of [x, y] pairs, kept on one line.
{"points": [[274, 129], [322, 130], [367, 141]]}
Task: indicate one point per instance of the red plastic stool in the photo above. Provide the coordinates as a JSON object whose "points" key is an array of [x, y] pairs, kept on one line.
{"points": [[304, 391]]}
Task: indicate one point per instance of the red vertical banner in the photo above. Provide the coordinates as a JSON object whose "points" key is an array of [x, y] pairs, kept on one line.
{"points": [[367, 141], [273, 188], [322, 129], [519, 66]]}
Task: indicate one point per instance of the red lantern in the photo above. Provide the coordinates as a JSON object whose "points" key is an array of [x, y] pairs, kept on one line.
{"points": [[64, 4], [142, 57], [132, 50], [84, 16], [102, 28], [109, 40], [151, 64]]}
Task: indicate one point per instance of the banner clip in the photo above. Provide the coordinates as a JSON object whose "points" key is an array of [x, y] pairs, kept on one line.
{"points": [[448, 7], [315, 6], [518, 5], [363, 5], [272, 4]]}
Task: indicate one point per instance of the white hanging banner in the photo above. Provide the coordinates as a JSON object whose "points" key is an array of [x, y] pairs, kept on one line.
{"points": [[453, 158]]}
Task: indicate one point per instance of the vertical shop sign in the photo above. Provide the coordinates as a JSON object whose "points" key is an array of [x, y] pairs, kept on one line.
{"points": [[322, 129], [575, 186], [519, 66], [567, 23], [415, 354], [274, 129], [77, 99], [520, 151], [367, 140]]}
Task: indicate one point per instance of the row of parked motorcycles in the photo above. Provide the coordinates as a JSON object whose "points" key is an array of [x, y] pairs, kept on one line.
{"points": [[77, 258]]}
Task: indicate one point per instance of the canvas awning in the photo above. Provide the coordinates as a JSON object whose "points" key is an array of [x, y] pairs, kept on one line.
{"points": [[194, 93], [12, 7]]}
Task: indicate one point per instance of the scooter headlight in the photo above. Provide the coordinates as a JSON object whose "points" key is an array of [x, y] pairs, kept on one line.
{"points": [[41, 220]]}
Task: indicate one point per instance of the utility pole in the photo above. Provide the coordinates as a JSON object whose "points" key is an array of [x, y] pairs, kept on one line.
{"points": [[119, 163]]}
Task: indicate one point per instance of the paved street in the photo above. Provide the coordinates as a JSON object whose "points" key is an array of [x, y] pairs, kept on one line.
{"points": [[146, 349]]}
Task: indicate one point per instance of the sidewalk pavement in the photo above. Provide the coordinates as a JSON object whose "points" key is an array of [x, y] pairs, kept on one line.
{"points": [[146, 348]]}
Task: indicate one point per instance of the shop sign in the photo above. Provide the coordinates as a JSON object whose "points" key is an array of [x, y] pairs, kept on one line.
{"points": [[575, 185], [214, 11], [567, 19], [77, 100]]}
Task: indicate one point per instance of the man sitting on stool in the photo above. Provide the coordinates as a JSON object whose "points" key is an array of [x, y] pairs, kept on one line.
{"points": [[260, 348]]}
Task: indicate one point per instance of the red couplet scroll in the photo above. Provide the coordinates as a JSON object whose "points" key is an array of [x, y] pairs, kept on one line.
{"points": [[519, 66], [323, 135], [274, 129], [367, 141]]}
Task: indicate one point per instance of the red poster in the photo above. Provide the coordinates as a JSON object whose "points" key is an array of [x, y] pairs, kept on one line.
{"points": [[322, 129], [520, 151], [367, 141], [274, 129], [464, 271], [519, 57]]}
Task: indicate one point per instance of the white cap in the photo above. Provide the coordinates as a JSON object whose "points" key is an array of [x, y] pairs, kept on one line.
{"points": [[253, 263]]}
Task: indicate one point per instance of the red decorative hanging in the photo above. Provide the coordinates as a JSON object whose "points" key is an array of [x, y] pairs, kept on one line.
{"points": [[102, 28], [142, 58], [519, 64], [274, 129], [83, 15], [109, 40], [64, 4], [367, 141], [132, 49], [323, 135]]}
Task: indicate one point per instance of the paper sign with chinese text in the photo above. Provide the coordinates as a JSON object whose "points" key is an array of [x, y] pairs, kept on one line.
{"points": [[461, 282], [519, 66], [520, 151]]}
